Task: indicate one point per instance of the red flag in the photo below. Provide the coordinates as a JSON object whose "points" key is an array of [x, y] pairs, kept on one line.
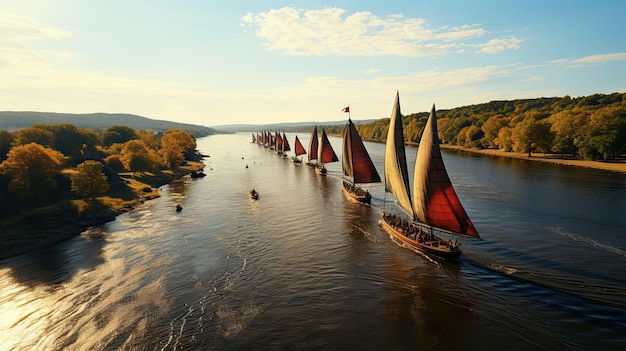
{"points": [[347, 109]]}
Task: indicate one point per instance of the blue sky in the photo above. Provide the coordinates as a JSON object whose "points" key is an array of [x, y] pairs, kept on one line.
{"points": [[228, 62]]}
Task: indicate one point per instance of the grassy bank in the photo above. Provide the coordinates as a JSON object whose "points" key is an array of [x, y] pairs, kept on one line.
{"points": [[40, 227]]}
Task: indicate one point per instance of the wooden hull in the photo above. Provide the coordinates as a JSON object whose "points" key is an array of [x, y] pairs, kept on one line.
{"points": [[363, 198], [430, 247]]}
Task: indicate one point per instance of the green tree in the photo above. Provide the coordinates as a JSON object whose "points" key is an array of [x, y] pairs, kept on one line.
{"points": [[89, 180], [6, 139], [32, 168], [118, 134], [67, 139]]}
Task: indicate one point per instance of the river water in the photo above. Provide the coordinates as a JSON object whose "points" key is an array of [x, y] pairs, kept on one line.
{"points": [[306, 268]]}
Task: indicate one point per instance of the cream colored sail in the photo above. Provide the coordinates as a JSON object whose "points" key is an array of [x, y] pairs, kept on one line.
{"points": [[396, 173]]}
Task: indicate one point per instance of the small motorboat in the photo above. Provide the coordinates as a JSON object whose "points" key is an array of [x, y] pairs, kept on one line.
{"points": [[254, 195]]}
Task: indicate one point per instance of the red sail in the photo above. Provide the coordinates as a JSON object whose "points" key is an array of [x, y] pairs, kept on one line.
{"points": [[326, 154], [279, 142], [299, 148], [285, 143], [313, 145], [435, 201], [356, 161]]}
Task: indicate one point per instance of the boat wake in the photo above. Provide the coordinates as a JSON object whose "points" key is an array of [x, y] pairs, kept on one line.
{"points": [[589, 242]]}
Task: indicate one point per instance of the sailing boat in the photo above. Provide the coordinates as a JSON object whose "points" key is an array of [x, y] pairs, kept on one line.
{"points": [[299, 150], [435, 205], [279, 144], [325, 154], [313, 145], [357, 165], [285, 146]]}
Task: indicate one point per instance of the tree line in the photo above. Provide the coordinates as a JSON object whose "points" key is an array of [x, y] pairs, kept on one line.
{"points": [[33, 159], [591, 127]]}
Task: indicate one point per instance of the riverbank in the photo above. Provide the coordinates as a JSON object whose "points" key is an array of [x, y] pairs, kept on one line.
{"points": [[613, 166], [42, 227]]}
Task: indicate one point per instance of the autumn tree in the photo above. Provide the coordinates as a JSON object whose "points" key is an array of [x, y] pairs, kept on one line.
{"points": [[606, 133], [137, 157], [491, 128], [32, 168], [504, 140], [36, 134], [569, 128], [530, 135], [89, 180], [174, 145]]}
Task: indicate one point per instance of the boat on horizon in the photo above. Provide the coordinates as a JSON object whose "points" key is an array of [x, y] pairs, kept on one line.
{"points": [[298, 150], [435, 209], [325, 154], [357, 165]]}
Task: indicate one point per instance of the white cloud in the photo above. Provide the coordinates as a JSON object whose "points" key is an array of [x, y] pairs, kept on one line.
{"points": [[372, 70], [331, 31], [495, 46], [591, 60]]}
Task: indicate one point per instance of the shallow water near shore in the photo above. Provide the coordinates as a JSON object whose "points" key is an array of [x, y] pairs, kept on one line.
{"points": [[306, 268]]}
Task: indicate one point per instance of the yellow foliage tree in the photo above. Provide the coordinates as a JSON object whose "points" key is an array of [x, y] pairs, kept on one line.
{"points": [[32, 168], [89, 180], [137, 157], [174, 144]]}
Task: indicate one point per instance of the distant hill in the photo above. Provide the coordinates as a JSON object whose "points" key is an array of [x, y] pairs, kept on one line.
{"points": [[11, 121], [286, 127]]}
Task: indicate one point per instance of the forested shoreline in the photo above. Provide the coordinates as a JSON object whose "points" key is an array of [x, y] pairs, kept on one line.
{"points": [[57, 180], [590, 128]]}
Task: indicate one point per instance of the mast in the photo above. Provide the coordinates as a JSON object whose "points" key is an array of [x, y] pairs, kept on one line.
{"points": [[396, 172], [313, 145], [435, 201], [356, 162]]}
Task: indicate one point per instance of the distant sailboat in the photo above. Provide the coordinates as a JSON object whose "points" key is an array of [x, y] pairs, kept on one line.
{"points": [[435, 205], [253, 138], [279, 143], [313, 146], [299, 150], [285, 145], [357, 165], [325, 154]]}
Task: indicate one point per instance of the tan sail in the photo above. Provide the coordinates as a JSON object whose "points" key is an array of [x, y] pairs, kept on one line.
{"points": [[396, 173], [435, 201]]}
